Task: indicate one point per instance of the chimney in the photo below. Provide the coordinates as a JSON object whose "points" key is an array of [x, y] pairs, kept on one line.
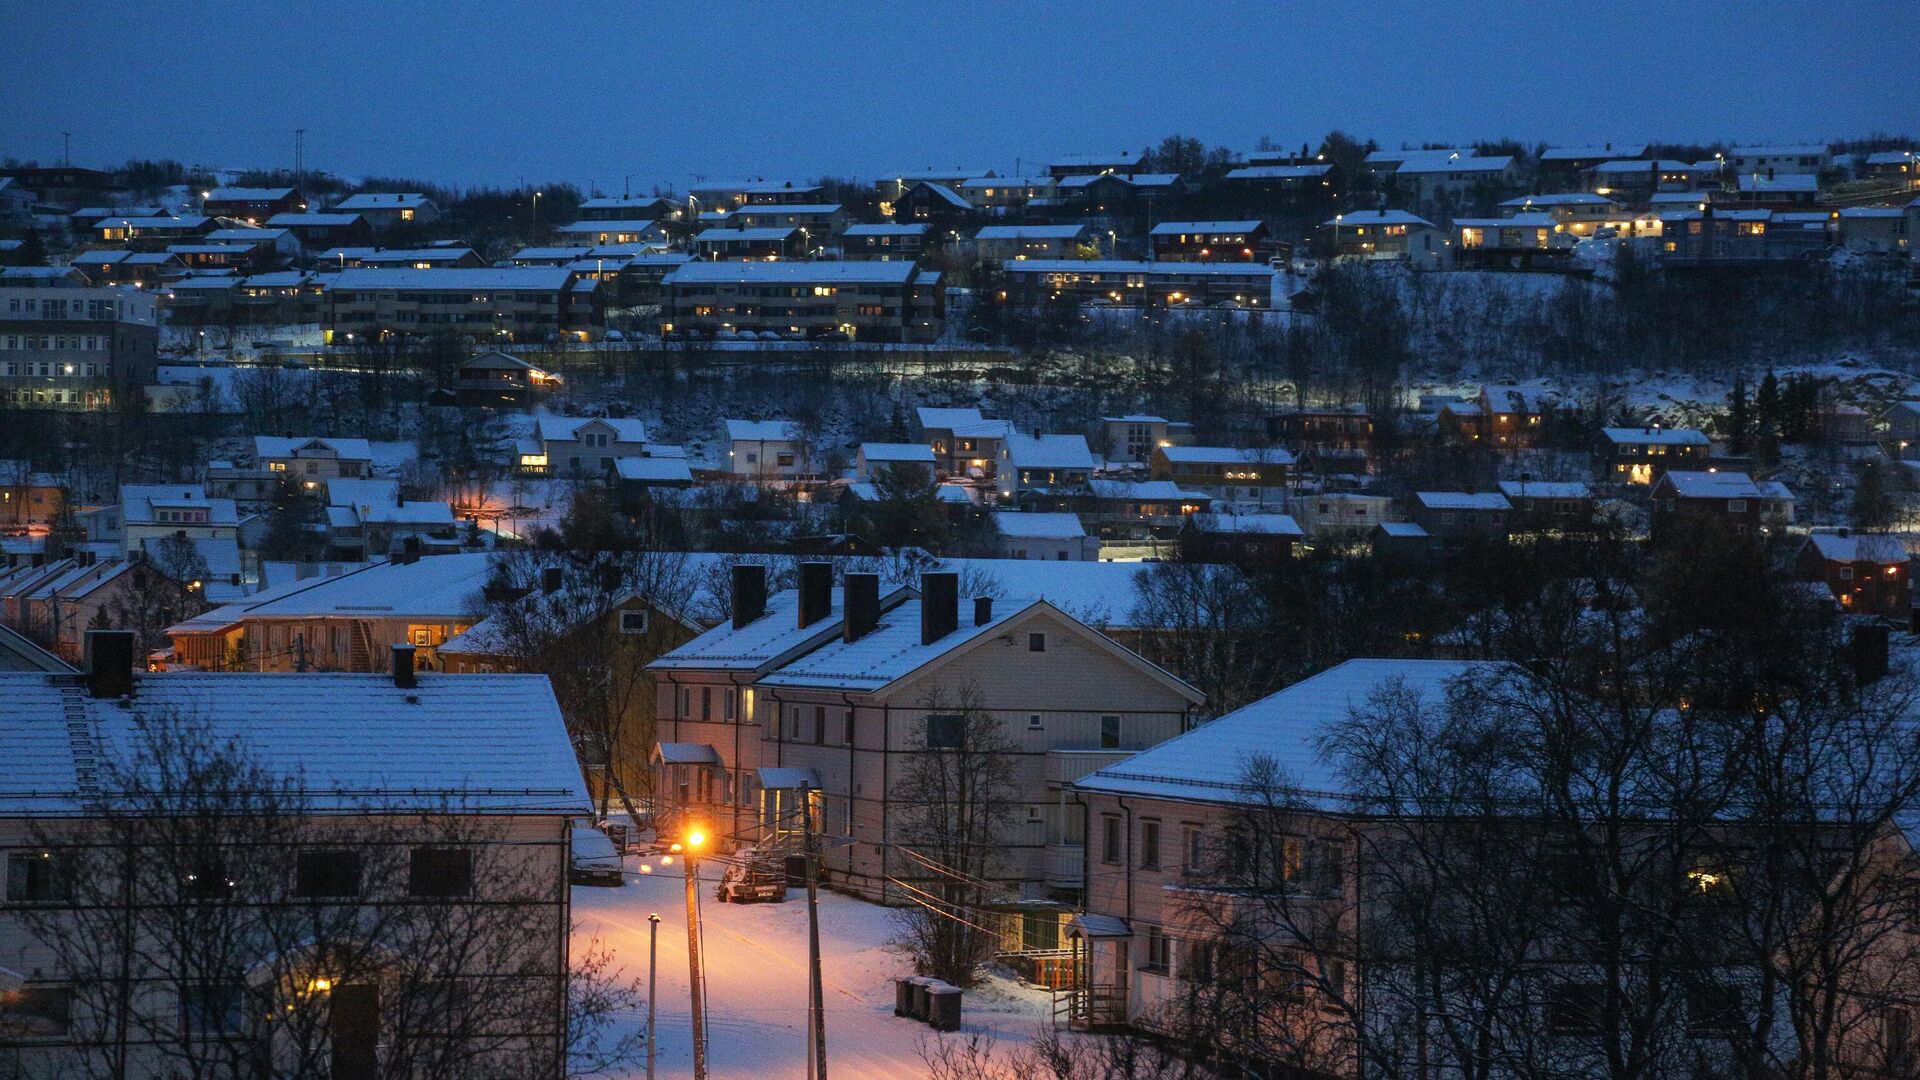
{"points": [[816, 592], [982, 610], [862, 605], [403, 676], [551, 578], [109, 663], [749, 593], [939, 606], [1869, 649]]}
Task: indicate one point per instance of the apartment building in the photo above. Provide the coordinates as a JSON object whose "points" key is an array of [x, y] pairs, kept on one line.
{"points": [[856, 300], [825, 695], [64, 346], [1252, 474], [251, 205], [1035, 283], [333, 941], [519, 304]]}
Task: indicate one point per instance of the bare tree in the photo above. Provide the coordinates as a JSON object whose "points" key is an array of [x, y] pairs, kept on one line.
{"points": [[955, 815]]}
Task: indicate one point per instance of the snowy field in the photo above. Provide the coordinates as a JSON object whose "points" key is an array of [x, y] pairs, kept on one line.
{"points": [[755, 958]]}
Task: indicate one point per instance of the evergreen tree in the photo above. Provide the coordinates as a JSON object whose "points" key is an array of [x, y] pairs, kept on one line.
{"points": [[1739, 419], [1873, 505], [1767, 404]]}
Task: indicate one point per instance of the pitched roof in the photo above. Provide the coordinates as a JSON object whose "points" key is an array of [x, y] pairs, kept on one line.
{"points": [[370, 200], [1262, 524], [658, 470], [1461, 500], [625, 430], [1573, 153], [1174, 228], [1378, 217], [276, 446], [248, 194], [910, 452], [1226, 455], [530, 278], [1544, 489], [1689, 484], [804, 272], [1031, 232], [1210, 763], [1029, 525], [762, 431], [1657, 436], [1279, 172], [1858, 547], [1049, 452], [138, 503], [465, 743], [442, 586]]}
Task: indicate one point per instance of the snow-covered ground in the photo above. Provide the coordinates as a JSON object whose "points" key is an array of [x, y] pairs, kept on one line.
{"points": [[755, 958]]}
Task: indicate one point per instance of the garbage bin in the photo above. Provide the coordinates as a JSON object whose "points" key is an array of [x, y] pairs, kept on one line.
{"points": [[917, 997], [943, 1007], [903, 997]]}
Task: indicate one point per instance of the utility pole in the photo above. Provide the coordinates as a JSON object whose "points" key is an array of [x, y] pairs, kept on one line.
{"points": [[653, 960], [66, 149], [816, 1010], [693, 959], [299, 154]]}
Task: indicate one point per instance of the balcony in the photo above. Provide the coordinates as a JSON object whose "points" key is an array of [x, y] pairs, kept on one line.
{"points": [[1064, 866], [1065, 766]]}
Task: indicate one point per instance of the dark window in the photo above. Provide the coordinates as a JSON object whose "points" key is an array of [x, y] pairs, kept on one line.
{"points": [[1036, 643], [213, 1008], [326, 873], [208, 880], [1110, 838], [943, 731], [1158, 951], [38, 877], [1574, 1008], [819, 725], [1150, 845], [633, 622], [1109, 733], [35, 1012], [1714, 1009], [849, 738], [440, 872]]}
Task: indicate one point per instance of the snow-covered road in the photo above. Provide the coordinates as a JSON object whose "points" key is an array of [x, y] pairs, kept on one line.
{"points": [[755, 958]]}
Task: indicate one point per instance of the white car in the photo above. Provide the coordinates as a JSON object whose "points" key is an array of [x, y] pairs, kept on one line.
{"points": [[595, 860]]}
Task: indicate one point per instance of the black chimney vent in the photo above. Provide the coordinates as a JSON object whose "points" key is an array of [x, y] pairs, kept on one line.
{"points": [[939, 606], [403, 676], [816, 592], [982, 610], [110, 663], [862, 604], [749, 593], [551, 578]]}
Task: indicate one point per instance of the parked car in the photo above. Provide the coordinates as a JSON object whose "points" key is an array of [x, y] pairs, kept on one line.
{"points": [[595, 860]]}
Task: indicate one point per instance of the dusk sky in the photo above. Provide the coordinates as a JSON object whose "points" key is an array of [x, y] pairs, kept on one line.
{"points": [[596, 93]]}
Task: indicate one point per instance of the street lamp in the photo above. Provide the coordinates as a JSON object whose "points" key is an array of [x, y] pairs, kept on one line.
{"points": [[696, 839], [653, 957], [536, 211]]}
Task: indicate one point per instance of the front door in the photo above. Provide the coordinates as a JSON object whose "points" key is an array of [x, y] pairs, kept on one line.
{"points": [[354, 1028]]}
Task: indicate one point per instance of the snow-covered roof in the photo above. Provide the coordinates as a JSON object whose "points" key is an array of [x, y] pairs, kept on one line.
{"points": [[1174, 228], [1262, 524], [1656, 436], [1226, 455], [567, 428], [1575, 153], [251, 234], [1796, 183], [402, 256], [1544, 489], [857, 272], [1565, 198], [1096, 161], [1858, 547], [138, 502], [1893, 157], [1462, 500], [653, 470], [442, 587], [1788, 150], [906, 452], [453, 743], [1165, 270], [687, 753], [368, 200], [762, 431], [277, 446], [1049, 452], [1451, 164], [456, 279], [248, 194], [1711, 485], [946, 194], [766, 209], [946, 418], [917, 229], [1360, 218], [1515, 221], [1146, 491], [1290, 728], [1135, 418], [1894, 212], [1030, 232], [772, 637], [1617, 168], [1279, 172], [722, 234], [294, 221], [621, 202], [1027, 525]]}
